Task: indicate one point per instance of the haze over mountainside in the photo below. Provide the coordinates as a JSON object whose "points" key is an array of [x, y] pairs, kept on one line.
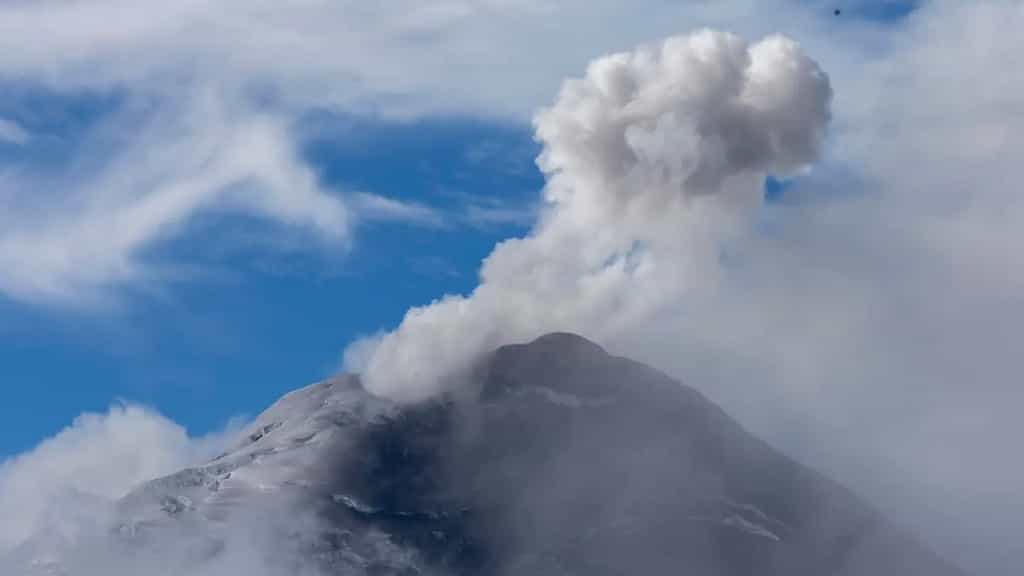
{"points": [[553, 458]]}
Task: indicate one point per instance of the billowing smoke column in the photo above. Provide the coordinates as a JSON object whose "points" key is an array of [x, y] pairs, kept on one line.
{"points": [[651, 159]]}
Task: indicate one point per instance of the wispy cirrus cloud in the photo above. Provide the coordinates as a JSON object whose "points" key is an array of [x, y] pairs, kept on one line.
{"points": [[488, 214], [372, 207], [12, 133], [156, 171], [98, 458]]}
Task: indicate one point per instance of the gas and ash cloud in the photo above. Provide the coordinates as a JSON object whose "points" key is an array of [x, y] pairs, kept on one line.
{"points": [[868, 324], [647, 157]]}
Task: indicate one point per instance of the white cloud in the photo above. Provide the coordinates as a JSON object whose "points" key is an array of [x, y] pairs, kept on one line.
{"points": [[90, 234], [394, 57], [373, 207], [59, 502], [75, 237], [484, 211], [67, 478], [12, 132], [486, 215]]}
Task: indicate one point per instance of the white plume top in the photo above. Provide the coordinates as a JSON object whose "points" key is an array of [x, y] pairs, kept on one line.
{"points": [[648, 158]]}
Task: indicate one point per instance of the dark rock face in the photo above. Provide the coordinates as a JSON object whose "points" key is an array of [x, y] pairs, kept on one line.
{"points": [[562, 459]]}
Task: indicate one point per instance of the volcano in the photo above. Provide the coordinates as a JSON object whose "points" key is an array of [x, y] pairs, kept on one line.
{"points": [[551, 458]]}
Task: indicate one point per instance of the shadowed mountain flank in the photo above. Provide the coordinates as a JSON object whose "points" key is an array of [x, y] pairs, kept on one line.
{"points": [[567, 460]]}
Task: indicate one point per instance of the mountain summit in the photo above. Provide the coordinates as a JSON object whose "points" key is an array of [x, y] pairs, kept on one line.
{"points": [[555, 459]]}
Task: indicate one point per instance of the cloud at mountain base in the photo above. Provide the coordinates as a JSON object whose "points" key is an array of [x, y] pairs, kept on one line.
{"points": [[60, 504], [95, 460]]}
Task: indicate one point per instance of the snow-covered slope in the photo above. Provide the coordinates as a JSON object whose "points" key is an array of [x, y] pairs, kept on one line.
{"points": [[555, 459]]}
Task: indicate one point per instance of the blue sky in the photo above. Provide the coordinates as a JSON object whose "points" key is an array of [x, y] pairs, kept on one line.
{"points": [[256, 320], [250, 312]]}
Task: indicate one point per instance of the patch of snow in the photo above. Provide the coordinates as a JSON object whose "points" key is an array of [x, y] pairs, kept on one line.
{"points": [[562, 398], [744, 517], [353, 504], [749, 527]]}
